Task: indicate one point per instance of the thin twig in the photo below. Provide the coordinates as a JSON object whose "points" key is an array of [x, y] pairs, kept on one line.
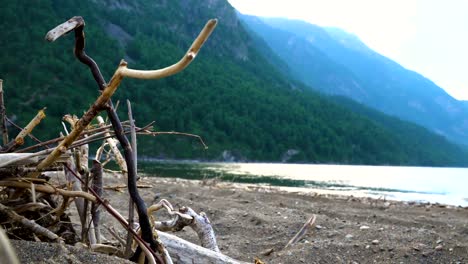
{"points": [[3, 126], [302, 232]]}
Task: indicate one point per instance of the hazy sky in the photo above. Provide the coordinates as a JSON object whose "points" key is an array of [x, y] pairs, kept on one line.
{"points": [[427, 36]]}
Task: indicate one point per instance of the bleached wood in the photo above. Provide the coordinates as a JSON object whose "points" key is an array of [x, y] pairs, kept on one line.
{"points": [[121, 72], [84, 121], [112, 142], [20, 159], [64, 28], [183, 251], [19, 140], [48, 189], [181, 64]]}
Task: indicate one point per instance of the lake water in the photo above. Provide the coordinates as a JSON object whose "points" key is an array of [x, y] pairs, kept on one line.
{"points": [[420, 184]]}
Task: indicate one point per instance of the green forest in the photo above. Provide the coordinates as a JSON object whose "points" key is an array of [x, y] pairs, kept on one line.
{"points": [[231, 95]]}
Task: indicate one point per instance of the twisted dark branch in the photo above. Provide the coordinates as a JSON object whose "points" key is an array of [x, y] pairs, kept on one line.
{"points": [[147, 233], [77, 24], [83, 57]]}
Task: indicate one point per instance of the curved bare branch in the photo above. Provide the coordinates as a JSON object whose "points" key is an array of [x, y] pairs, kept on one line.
{"points": [[181, 64]]}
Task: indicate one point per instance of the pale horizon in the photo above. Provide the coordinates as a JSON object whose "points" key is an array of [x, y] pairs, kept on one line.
{"points": [[425, 36]]}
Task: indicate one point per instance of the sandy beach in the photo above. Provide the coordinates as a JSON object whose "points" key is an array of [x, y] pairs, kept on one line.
{"points": [[257, 221]]}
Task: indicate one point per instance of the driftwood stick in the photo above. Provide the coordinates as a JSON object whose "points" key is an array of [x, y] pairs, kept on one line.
{"points": [[177, 223], [48, 189], [202, 226], [15, 159], [105, 249], [80, 126], [19, 140], [77, 24], [131, 205], [3, 126], [30, 135], [302, 232], [96, 172], [145, 226], [55, 140], [181, 64], [113, 146], [76, 186], [30, 224]]}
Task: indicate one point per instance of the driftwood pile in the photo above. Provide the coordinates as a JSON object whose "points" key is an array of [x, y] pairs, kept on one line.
{"points": [[34, 205]]}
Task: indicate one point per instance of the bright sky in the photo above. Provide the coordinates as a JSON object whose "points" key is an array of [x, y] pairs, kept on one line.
{"points": [[427, 36]]}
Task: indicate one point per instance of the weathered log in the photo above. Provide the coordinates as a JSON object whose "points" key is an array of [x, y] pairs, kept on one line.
{"points": [[183, 251], [202, 226], [27, 159]]}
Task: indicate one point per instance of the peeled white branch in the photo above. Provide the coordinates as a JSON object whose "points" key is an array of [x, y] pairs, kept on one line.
{"points": [[180, 65]]}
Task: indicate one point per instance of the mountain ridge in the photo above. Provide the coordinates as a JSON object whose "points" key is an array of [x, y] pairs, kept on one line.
{"points": [[231, 95], [383, 84]]}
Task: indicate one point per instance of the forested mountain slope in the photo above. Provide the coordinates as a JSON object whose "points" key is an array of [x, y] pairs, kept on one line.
{"points": [[231, 95], [338, 63]]}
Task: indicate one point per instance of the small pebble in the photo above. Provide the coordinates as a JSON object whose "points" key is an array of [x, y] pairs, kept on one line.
{"points": [[349, 236], [440, 241], [318, 227], [375, 242], [364, 227], [439, 247], [367, 246]]}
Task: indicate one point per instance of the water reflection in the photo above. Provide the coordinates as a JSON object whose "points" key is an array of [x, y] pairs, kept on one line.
{"points": [[443, 185]]}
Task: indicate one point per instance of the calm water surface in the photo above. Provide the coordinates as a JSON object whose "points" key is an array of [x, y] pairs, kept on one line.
{"points": [[421, 184]]}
